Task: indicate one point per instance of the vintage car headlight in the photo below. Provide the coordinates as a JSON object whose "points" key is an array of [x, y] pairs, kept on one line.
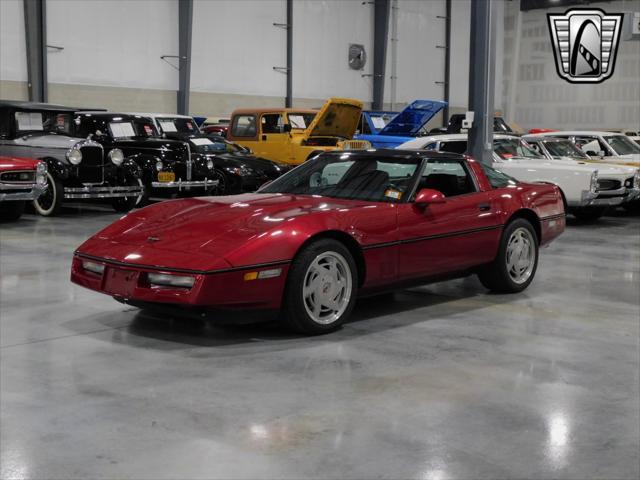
{"points": [[593, 188], [116, 156], [165, 280], [93, 267], [159, 165], [74, 156], [41, 174], [210, 164]]}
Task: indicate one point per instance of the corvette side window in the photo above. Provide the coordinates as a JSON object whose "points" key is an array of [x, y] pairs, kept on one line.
{"points": [[451, 177], [244, 126]]}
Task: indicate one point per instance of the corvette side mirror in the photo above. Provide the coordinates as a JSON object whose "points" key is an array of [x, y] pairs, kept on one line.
{"points": [[428, 196]]}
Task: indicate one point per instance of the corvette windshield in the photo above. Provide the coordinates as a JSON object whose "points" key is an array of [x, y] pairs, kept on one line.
{"points": [[372, 179], [564, 148], [623, 145], [508, 148]]}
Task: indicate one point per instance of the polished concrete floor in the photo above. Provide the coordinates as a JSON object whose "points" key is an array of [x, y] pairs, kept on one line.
{"points": [[444, 382]]}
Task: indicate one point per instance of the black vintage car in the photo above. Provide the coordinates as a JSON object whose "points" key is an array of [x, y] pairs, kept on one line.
{"points": [[168, 165], [235, 167], [78, 167]]}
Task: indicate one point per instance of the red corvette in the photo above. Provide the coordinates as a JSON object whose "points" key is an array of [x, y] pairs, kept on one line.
{"points": [[342, 225], [21, 180]]}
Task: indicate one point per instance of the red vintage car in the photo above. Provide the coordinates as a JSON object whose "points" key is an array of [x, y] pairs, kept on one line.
{"points": [[217, 129], [343, 225], [21, 180]]}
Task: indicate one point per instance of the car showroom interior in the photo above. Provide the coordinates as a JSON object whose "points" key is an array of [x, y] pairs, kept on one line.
{"points": [[323, 239]]}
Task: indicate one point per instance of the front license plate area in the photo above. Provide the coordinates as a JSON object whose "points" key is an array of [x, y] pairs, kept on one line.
{"points": [[120, 282], [166, 177]]}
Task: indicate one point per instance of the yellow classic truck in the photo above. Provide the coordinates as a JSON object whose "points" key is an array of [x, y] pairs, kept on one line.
{"points": [[291, 135]]}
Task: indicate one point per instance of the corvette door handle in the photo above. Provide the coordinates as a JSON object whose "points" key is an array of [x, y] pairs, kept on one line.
{"points": [[484, 207]]}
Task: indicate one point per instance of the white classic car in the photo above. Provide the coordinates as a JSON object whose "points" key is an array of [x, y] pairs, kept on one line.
{"points": [[588, 189], [606, 147]]}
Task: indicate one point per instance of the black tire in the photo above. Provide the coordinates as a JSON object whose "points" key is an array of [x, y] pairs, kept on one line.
{"points": [[11, 211], [496, 276], [295, 310], [589, 214], [125, 204], [48, 204]]}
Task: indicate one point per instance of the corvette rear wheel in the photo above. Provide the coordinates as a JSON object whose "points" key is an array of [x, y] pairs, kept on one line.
{"points": [[321, 288], [515, 266]]}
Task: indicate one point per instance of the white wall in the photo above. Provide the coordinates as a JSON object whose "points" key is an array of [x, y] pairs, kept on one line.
{"points": [[543, 99], [117, 43], [235, 47], [460, 25], [13, 60], [322, 32], [419, 63], [113, 43]]}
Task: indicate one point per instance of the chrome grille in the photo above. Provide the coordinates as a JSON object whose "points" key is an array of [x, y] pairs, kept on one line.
{"points": [[605, 184], [91, 169], [27, 176]]}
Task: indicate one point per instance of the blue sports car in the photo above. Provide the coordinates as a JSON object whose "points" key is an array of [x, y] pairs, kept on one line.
{"points": [[390, 129]]}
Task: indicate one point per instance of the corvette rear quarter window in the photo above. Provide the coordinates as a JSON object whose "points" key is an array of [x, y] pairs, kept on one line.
{"points": [[498, 179]]}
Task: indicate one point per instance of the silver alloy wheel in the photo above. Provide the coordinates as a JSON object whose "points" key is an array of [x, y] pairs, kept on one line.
{"points": [[521, 255], [327, 288]]}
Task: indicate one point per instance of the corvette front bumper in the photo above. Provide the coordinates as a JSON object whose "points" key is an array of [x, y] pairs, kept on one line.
{"points": [[225, 289]]}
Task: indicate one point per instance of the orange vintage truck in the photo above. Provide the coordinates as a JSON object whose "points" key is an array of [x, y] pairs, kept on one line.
{"points": [[292, 135]]}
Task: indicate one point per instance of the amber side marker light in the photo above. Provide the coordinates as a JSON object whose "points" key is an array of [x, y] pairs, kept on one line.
{"points": [[264, 274]]}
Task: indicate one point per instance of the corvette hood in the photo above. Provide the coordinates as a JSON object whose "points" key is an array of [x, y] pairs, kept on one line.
{"points": [[207, 228], [338, 117], [413, 117]]}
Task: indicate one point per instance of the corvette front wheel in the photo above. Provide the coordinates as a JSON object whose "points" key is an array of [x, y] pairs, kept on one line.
{"points": [[321, 288]]}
